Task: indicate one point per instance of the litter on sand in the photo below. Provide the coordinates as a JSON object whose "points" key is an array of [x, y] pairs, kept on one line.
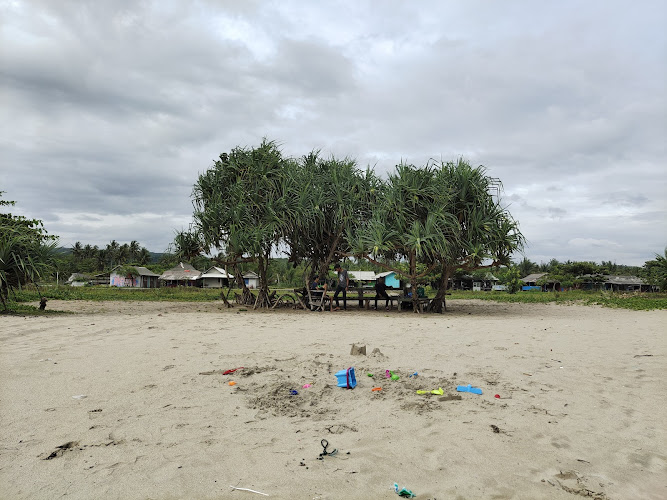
{"points": [[248, 489], [403, 492]]}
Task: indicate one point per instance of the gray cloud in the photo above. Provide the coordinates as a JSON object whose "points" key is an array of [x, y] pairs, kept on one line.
{"points": [[111, 109]]}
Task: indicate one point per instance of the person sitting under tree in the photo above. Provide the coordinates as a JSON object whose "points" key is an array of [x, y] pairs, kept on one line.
{"points": [[381, 293]]}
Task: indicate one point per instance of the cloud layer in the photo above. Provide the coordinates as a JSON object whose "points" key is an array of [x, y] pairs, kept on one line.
{"points": [[111, 109]]}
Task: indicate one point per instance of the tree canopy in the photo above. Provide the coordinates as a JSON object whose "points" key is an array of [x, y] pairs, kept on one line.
{"points": [[26, 251], [439, 217]]}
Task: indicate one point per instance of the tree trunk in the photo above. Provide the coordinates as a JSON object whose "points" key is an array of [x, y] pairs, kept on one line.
{"points": [[439, 302], [263, 299], [247, 298], [413, 282]]}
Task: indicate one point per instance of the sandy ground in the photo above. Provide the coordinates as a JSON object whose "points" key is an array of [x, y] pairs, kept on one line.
{"points": [[582, 407]]}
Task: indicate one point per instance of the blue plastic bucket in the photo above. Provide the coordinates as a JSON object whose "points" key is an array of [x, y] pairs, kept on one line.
{"points": [[346, 378]]}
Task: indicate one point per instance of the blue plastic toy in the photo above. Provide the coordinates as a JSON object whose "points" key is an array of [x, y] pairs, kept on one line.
{"points": [[346, 378], [469, 388]]}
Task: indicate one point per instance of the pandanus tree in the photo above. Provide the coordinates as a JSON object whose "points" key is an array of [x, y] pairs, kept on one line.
{"points": [[330, 196], [486, 233], [410, 225], [241, 207]]}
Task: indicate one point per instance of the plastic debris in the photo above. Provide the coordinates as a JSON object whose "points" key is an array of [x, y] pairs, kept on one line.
{"points": [[231, 382], [80, 396], [497, 396], [227, 372], [248, 489], [403, 492], [469, 388], [376, 389], [415, 374], [306, 386], [293, 392]]}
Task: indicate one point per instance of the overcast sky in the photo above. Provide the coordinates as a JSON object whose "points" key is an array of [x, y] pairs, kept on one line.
{"points": [[110, 110]]}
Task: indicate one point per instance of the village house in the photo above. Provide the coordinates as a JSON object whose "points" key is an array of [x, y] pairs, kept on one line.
{"points": [[135, 277], [251, 279], [530, 281], [215, 277], [181, 275], [390, 280], [615, 283], [362, 278]]}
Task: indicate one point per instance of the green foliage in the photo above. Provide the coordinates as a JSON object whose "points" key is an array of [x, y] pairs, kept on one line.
{"points": [[27, 252], [655, 271], [243, 205], [511, 278]]}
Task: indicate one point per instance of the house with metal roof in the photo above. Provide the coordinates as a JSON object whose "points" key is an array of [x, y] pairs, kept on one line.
{"points": [[615, 283], [134, 276], [182, 275], [215, 277], [251, 279], [530, 281], [362, 277]]}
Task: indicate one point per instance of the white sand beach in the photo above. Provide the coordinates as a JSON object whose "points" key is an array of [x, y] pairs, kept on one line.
{"points": [[128, 401]]}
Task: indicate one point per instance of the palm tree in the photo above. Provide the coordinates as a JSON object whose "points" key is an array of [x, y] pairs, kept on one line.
{"points": [[188, 245], [134, 251], [77, 251], [144, 256], [111, 253], [124, 254]]}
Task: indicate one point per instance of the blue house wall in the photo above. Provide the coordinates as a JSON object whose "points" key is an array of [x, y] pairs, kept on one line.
{"points": [[392, 281]]}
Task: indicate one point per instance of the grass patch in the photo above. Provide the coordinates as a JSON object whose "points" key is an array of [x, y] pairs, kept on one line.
{"points": [[633, 301], [101, 293]]}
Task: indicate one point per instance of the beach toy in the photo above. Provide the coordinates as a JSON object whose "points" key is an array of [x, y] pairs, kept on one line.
{"points": [[403, 492], [376, 389], [469, 388], [387, 374], [232, 383], [306, 386], [346, 378], [438, 391], [394, 377]]}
